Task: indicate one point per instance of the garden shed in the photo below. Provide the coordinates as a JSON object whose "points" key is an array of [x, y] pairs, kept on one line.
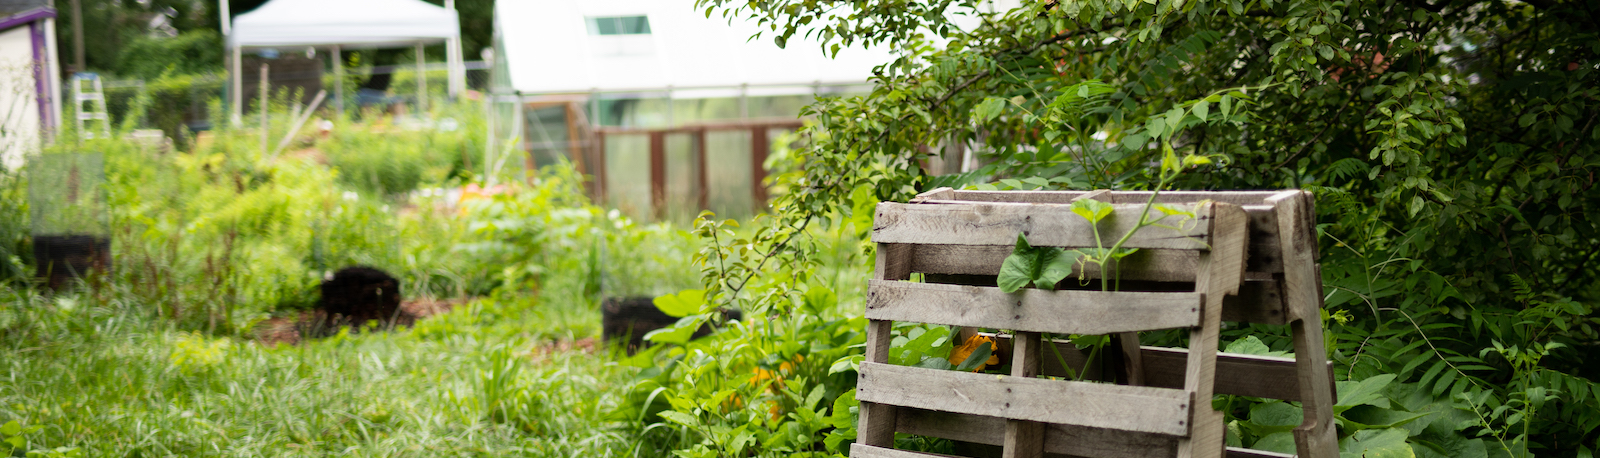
{"points": [[348, 24], [29, 92]]}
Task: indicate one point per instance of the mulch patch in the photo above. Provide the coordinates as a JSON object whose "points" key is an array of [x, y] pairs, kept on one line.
{"points": [[290, 330]]}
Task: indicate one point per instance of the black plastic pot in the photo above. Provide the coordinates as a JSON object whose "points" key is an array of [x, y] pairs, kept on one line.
{"points": [[61, 259]]}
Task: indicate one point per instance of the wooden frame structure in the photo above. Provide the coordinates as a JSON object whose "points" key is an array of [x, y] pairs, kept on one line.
{"points": [[1247, 256], [760, 147], [586, 147]]}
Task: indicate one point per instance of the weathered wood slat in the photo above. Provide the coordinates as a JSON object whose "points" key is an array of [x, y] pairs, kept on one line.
{"points": [[1117, 197], [1272, 377], [1068, 311], [1150, 264], [859, 450], [1258, 301], [1100, 405], [1060, 440], [967, 223]]}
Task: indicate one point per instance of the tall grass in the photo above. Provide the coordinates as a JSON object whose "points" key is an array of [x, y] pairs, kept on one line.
{"points": [[107, 376]]}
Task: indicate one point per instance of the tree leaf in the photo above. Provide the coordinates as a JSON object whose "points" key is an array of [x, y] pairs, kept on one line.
{"points": [[989, 109], [681, 304]]}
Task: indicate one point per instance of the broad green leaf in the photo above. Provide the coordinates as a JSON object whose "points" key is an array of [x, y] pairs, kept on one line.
{"points": [[1017, 270], [681, 304], [844, 410], [1281, 442], [1274, 416], [1135, 141], [1441, 440], [1174, 120], [678, 333], [11, 428], [989, 109], [819, 299], [1058, 266], [1202, 109], [1352, 394], [680, 418], [847, 363], [1249, 345], [1370, 417], [1376, 443], [933, 362], [1092, 210]]}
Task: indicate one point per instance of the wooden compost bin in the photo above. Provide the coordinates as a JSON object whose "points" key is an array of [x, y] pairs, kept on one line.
{"points": [[1248, 256]]}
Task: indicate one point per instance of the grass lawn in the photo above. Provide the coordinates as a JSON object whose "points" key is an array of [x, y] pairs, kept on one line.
{"points": [[102, 375]]}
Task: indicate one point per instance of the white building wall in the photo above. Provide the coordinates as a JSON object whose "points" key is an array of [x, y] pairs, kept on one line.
{"points": [[19, 110]]}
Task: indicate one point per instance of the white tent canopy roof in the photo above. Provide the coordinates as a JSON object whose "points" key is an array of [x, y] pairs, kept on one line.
{"points": [[346, 23], [550, 48]]}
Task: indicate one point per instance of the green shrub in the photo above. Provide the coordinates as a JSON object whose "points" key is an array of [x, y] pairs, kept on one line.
{"points": [[190, 53]]}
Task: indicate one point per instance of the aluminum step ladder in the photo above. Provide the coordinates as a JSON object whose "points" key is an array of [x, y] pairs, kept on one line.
{"points": [[95, 112]]}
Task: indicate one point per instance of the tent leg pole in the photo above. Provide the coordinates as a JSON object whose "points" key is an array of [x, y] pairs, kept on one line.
{"points": [[338, 78], [422, 83], [264, 96], [238, 88]]}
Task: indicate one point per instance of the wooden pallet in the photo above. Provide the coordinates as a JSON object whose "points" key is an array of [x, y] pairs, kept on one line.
{"points": [[1249, 256]]}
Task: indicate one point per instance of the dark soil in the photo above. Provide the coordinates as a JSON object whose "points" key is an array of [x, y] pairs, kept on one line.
{"points": [[630, 318], [291, 329]]}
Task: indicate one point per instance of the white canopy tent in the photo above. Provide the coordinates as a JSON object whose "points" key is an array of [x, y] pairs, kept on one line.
{"points": [[338, 24], [555, 47]]}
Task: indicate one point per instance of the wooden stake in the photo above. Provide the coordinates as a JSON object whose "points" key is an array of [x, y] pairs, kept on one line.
{"points": [[1221, 271], [1315, 437]]}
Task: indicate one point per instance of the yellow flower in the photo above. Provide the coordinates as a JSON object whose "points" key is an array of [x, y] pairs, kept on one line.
{"points": [[961, 352]]}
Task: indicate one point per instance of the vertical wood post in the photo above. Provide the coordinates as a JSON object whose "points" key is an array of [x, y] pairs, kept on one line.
{"points": [[759, 147], [1220, 271], [658, 172], [575, 144], [1302, 294], [702, 188], [600, 168], [878, 420], [1024, 439]]}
